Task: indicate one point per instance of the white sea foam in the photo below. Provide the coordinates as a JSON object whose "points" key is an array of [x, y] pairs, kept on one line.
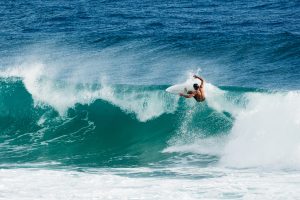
{"points": [[266, 133], [107, 184], [209, 146], [45, 88]]}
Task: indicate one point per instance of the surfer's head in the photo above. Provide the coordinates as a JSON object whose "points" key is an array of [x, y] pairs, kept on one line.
{"points": [[196, 86]]}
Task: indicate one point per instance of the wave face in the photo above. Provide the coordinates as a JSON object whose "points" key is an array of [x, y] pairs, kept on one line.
{"points": [[108, 126], [94, 124], [124, 125]]}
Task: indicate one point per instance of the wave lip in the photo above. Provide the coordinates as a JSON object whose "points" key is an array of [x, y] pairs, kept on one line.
{"points": [[45, 89]]}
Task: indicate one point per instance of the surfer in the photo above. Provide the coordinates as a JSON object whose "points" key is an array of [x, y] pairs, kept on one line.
{"points": [[198, 94]]}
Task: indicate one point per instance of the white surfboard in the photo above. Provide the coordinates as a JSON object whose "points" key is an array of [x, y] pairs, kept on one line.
{"points": [[183, 87]]}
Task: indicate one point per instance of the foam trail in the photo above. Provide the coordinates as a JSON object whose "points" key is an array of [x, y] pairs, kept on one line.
{"points": [[209, 146]]}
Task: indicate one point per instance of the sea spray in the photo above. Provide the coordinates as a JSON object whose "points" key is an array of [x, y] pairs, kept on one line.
{"points": [[266, 133]]}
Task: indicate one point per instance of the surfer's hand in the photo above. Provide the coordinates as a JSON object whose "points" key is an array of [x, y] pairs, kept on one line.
{"points": [[195, 76], [180, 94]]}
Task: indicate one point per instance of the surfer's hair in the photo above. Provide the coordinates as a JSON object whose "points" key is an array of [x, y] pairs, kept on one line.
{"points": [[196, 86]]}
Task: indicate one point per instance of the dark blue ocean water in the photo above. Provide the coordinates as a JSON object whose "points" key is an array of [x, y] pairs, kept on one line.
{"points": [[240, 43]]}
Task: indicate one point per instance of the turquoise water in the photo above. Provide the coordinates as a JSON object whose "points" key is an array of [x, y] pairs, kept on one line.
{"points": [[128, 134]]}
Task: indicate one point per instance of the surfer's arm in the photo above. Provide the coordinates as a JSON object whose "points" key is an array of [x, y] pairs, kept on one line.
{"points": [[187, 95], [201, 79]]}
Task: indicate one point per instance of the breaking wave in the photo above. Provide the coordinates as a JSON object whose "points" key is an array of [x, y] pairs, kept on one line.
{"points": [[44, 120]]}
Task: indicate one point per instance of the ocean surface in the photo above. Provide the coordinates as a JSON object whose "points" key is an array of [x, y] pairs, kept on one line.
{"points": [[84, 113]]}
